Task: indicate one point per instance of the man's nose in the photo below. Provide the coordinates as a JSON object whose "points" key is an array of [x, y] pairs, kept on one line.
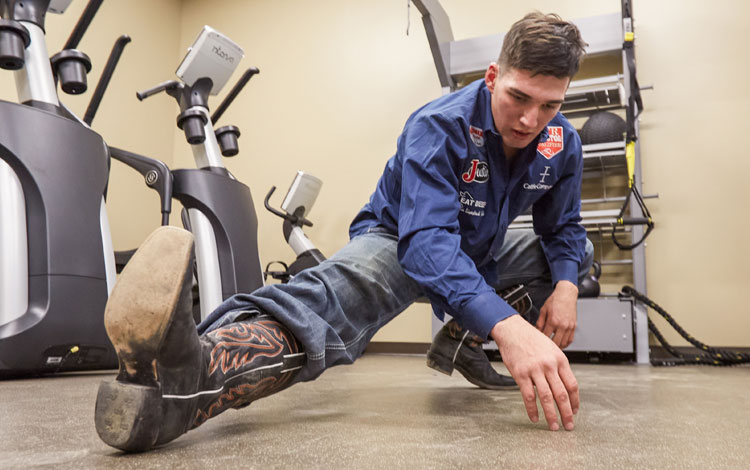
{"points": [[530, 117]]}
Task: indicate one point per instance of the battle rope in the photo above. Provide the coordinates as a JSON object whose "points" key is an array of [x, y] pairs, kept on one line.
{"points": [[712, 356]]}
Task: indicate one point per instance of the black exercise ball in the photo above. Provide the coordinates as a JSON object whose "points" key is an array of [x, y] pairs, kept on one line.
{"points": [[603, 127]]}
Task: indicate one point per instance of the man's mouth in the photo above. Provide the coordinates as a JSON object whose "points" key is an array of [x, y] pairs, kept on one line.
{"points": [[520, 135]]}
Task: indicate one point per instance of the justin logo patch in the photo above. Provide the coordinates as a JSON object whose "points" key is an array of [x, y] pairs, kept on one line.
{"points": [[478, 172], [477, 136], [554, 143]]}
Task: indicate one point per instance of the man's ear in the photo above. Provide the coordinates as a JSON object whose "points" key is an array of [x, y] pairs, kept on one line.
{"points": [[490, 75]]}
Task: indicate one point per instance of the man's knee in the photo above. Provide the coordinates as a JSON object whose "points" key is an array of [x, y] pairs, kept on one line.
{"points": [[588, 261]]}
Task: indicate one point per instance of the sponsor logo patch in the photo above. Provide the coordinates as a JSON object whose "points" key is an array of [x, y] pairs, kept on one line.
{"points": [[554, 143], [471, 206], [477, 136], [478, 172], [540, 185]]}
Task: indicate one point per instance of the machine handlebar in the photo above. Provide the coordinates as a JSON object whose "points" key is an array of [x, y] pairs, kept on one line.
{"points": [[83, 24], [168, 85]]}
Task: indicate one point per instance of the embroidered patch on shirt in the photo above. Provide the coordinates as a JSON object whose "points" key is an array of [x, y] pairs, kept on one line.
{"points": [[478, 172], [477, 136], [471, 206], [554, 143]]}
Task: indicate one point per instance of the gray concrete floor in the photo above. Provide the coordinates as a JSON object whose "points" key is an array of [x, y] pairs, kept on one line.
{"points": [[393, 412]]}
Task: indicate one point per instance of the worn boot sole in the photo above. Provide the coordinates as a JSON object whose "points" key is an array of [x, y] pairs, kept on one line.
{"points": [[137, 317], [446, 365]]}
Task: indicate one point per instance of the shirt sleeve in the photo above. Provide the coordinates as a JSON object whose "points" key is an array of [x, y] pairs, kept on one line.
{"points": [[557, 217], [429, 247]]}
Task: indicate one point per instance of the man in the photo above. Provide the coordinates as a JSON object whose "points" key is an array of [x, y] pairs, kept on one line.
{"points": [[466, 165]]}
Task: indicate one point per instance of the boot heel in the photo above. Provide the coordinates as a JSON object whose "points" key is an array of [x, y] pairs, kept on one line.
{"points": [[128, 415], [439, 363]]}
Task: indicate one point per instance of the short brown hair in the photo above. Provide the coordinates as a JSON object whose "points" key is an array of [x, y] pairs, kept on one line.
{"points": [[543, 44]]}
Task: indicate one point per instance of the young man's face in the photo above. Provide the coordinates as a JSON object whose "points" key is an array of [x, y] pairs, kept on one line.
{"points": [[523, 105]]}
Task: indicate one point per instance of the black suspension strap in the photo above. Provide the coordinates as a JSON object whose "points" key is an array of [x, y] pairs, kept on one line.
{"points": [[709, 355], [633, 110], [622, 220]]}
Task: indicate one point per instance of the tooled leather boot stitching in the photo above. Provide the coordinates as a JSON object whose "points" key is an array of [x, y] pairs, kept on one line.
{"points": [[246, 361]]}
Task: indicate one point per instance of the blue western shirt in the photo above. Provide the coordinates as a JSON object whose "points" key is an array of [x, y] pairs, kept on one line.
{"points": [[449, 195]]}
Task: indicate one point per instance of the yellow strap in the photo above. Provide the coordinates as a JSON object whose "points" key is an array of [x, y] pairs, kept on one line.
{"points": [[629, 37], [630, 159]]}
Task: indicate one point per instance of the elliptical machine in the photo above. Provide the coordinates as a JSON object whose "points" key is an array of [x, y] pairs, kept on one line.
{"points": [[56, 257], [57, 264], [219, 209]]}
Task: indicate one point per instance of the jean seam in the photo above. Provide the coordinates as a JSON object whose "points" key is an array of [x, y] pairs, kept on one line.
{"points": [[346, 346]]}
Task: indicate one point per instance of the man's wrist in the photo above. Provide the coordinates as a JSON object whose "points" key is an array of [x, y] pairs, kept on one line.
{"points": [[566, 286], [498, 331]]}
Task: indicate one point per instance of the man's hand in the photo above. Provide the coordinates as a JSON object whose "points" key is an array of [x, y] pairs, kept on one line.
{"points": [[557, 318], [536, 362]]}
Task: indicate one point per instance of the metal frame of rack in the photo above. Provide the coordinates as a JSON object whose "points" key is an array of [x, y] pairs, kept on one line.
{"points": [[458, 60]]}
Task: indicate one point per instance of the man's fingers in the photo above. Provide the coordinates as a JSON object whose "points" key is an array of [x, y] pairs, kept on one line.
{"points": [[571, 385], [565, 340], [547, 401], [542, 320], [529, 398], [562, 399]]}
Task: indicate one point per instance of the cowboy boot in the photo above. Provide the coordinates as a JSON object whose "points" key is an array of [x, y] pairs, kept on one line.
{"points": [[171, 380], [454, 347]]}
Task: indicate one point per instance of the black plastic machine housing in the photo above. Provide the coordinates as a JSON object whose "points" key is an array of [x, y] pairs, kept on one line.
{"points": [[63, 328], [228, 205]]}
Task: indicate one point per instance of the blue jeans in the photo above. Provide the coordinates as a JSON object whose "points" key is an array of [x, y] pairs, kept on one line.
{"points": [[335, 308]]}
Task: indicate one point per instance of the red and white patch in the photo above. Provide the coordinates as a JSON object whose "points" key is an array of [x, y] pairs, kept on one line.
{"points": [[554, 143], [477, 136]]}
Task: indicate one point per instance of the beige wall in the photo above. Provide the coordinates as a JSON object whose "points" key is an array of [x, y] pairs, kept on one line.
{"points": [[693, 129], [339, 78]]}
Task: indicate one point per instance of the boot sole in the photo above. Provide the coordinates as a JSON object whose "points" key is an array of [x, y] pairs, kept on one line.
{"points": [[480, 384], [137, 317], [127, 415]]}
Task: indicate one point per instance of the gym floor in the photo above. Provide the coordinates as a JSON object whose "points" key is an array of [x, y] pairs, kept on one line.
{"points": [[389, 411]]}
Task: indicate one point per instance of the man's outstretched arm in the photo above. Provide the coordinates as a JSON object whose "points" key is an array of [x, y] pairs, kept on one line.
{"points": [[540, 368]]}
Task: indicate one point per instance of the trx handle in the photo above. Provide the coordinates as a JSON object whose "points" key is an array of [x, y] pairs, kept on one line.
{"points": [[622, 220], [635, 221]]}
